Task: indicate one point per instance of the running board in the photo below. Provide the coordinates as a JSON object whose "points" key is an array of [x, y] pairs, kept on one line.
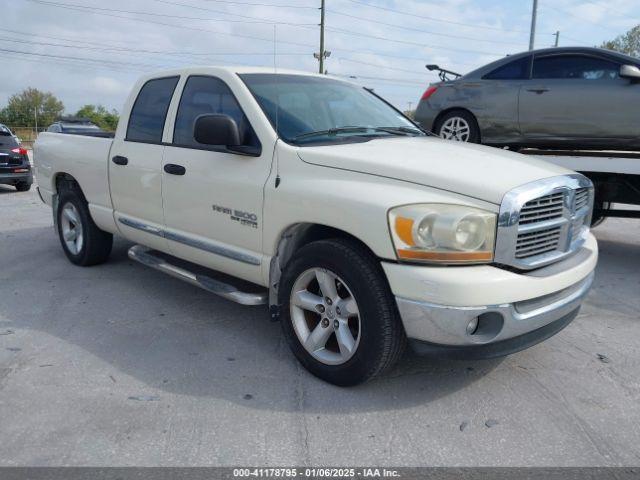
{"points": [[156, 260]]}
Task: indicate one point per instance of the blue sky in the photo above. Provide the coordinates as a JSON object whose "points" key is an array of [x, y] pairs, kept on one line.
{"points": [[91, 51]]}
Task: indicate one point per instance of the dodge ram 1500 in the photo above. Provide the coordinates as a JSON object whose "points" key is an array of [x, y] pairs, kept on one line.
{"points": [[316, 197]]}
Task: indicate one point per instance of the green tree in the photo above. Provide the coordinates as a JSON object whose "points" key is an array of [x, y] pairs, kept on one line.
{"points": [[30, 106], [107, 120], [628, 43]]}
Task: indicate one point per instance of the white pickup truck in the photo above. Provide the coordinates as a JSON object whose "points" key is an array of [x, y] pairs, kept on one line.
{"points": [[316, 197]]}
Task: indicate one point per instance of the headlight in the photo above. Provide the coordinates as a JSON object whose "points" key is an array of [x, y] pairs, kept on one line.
{"points": [[439, 233]]}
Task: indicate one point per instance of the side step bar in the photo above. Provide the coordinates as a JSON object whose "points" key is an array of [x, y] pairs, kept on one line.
{"points": [[152, 259]]}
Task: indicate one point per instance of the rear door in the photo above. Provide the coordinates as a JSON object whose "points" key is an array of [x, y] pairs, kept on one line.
{"points": [[578, 97], [135, 166], [213, 207], [497, 107]]}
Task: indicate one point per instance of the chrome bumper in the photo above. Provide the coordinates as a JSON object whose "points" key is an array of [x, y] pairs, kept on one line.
{"points": [[475, 326]]}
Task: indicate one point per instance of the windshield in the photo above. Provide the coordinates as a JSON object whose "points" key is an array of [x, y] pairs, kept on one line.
{"points": [[315, 109]]}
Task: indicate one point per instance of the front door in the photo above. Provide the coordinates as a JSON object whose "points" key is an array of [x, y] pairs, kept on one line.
{"points": [[135, 166], [213, 198], [574, 97]]}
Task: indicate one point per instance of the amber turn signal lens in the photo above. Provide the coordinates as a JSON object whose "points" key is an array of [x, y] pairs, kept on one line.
{"points": [[445, 256]]}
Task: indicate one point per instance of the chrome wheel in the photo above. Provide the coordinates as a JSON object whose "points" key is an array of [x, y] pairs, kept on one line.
{"points": [[71, 228], [325, 316], [456, 128]]}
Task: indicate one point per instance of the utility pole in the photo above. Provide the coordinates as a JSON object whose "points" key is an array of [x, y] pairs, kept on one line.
{"points": [[35, 115], [323, 53], [534, 15], [557, 35]]}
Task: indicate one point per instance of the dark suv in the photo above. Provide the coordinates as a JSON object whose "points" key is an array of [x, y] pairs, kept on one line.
{"points": [[14, 162]]}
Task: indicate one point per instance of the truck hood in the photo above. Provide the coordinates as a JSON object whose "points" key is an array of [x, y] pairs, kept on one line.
{"points": [[485, 173]]}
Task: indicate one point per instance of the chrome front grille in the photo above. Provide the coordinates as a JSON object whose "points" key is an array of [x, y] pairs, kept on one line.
{"points": [[535, 243], [543, 222], [542, 209]]}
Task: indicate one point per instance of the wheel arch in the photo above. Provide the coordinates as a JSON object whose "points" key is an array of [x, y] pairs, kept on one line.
{"points": [[292, 239]]}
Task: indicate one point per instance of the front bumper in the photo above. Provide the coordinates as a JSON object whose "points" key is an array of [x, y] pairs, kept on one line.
{"points": [[504, 311]]}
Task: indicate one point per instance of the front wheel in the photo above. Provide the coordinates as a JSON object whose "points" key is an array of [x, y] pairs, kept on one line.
{"points": [[82, 241], [339, 316], [458, 125]]}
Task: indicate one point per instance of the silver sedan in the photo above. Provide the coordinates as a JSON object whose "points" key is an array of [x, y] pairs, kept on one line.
{"points": [[560, 97]]}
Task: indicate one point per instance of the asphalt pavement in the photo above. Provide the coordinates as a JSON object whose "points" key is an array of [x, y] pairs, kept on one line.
{"points": [[119, 365]]}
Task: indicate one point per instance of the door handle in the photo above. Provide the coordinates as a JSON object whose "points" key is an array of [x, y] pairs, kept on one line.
{"points": [[539, 91], [119, 160], [174, 169]]}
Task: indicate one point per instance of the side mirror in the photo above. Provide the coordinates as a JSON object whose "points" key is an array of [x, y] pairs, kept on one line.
{"points": [[630, 71], [216, 129]]}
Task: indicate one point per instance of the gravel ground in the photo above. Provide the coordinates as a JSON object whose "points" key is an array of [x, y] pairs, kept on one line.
{"points": [[121, 365]]}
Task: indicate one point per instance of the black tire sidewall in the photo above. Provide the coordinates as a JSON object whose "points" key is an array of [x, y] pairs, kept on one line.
{"points": [[474, 133], [372, 308]]}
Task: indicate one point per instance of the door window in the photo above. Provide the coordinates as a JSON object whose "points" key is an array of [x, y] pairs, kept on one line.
{"points": [[516, 70], [575, 67], [149, 112], [208, 95]]}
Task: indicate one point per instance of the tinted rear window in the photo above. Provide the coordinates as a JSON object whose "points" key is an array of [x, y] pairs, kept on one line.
{"points": [[8, 141], [516, 70], [149, 112]]}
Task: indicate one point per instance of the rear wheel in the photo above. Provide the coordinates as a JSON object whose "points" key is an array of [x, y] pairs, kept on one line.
{"points": [[82, 241], [338, 313], [23, 186], [459, 126]]}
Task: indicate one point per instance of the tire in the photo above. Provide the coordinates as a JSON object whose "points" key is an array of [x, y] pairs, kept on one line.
{"points": [[23, 186], [377, 332], [94, 245], [458, 125], [599, 213]]}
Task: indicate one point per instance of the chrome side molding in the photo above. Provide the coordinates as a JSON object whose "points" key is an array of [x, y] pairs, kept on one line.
{"points": [[191, 242], [147, 257]]}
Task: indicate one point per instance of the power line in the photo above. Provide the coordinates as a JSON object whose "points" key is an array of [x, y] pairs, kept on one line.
{"points": [[571, 14], [165, 15], [382, 67], [133, 50], [407, 42], [404, 27], [395, 80], [152, 22], [132, 64], [263, 4], [434, 19]]}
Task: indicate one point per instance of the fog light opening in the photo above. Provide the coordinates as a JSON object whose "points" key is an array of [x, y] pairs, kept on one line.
{"points": [[485, 327]]}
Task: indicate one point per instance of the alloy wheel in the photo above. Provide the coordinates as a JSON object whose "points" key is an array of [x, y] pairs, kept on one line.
{"points": [[71, 228], [456, 128], [325, 316]]}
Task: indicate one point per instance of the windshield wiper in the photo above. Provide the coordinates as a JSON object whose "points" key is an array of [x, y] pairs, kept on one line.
{"points": [[331, 132], [399, 130]]}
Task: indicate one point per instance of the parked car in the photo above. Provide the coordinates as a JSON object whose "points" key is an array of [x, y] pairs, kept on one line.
{"points": [[558, 97], [14, 162], [326, 203], [78, 126]]}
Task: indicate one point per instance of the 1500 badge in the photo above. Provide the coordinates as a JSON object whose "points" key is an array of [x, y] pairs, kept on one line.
{"points": [[244, 218]]}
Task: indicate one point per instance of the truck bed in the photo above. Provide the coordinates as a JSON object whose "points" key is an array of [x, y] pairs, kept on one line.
{"points": [[83, 157]]}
